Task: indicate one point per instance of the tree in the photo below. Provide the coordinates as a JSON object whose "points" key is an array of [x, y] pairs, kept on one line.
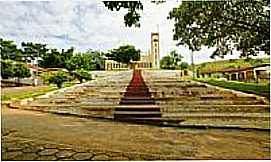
{"points": [[82, 74], [132, 17], [171, 61], [98, 59], [124, 54], [20, 71], [9, 50], [51, 59], [33, 50], [11, 69], [226, 25], [6, 69], [58, 78], [167, 63], [183, 65], [56, 59], [176, 57]]}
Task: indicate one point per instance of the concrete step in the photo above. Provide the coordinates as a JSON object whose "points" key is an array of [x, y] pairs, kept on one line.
{"points": [[136, 101], [132, 108], [216, 115], [137, 114], [154, 121], [214, 96], [137, 97], [143, 88], [211, 102], [187, 107], [215, 109]]}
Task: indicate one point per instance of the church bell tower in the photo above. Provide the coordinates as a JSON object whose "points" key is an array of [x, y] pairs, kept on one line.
{"points": [[155, 50]]}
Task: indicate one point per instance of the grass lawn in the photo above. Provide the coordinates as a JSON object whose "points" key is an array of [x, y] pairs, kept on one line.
{"points": [[17, 93], [262, 89]]}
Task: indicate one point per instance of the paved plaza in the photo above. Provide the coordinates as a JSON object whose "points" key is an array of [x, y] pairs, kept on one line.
{"points": [[197, 121]]}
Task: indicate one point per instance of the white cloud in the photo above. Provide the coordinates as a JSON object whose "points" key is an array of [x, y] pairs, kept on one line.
{"points": [[88, 24]]}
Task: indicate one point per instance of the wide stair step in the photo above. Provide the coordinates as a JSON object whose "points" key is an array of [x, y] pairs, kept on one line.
{"points": [[137, 114], [126, 101], [135, 108]]}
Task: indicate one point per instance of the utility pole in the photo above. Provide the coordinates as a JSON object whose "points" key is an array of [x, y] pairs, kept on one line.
{"points": [[193, 65]]}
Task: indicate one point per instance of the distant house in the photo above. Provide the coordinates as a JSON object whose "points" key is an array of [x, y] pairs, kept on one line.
{"points": [[260, 73]]}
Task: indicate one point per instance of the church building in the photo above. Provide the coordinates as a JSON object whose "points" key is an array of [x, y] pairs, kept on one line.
{"points": [[150, 60]]}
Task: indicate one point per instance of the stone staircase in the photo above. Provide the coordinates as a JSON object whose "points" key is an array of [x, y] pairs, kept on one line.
{"points": [[96, 98], [198, 104], [160, 98], [137, 105]]}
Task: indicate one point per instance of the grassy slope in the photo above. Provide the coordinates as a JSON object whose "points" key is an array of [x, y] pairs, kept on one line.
{"points": [[262, 89], [22, 93], [224, 64]]}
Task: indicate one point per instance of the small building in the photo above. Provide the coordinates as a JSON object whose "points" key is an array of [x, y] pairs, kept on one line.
{"points": [[259, 73], [114, 65]]}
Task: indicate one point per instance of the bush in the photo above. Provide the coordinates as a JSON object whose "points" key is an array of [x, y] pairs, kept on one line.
{"points": [[58, 78], [45, 77], [6, 69], [11, 69], [82, 75]]}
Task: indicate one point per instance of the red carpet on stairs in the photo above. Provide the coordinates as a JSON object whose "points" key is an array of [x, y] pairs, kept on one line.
{"points": [[137, 105], [137, 86]]}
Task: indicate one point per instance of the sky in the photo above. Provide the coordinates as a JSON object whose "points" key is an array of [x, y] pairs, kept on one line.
{"points": [[88, 24]]}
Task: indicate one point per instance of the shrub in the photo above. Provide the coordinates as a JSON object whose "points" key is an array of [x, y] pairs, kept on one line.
{"points": [[11, 69], [58, 78], [81, 75]]}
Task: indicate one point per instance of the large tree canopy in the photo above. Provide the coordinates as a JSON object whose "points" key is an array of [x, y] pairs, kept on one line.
{"points": [[226, 25], [33, 50], [9, 50], [124, 54], [11, 69], [132, 17], [91, 60]]}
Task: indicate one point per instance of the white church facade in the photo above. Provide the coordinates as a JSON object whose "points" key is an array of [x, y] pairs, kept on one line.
{"points": [[148, 61]]}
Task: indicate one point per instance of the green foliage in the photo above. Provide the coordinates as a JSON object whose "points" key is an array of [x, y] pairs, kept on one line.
{"points": [[6, 69], [33, 50], [167, 63], [176, 57], [91, 60], [82, 75], [58, 78], [11, 69], [124, 54], [52, 58], [22, 93], [132, 17], [233, 63], [226, 25], [56, 59], [45, 76], [255, 88], [21, 71], [184, 65], [9, 50], [172, 61]]}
